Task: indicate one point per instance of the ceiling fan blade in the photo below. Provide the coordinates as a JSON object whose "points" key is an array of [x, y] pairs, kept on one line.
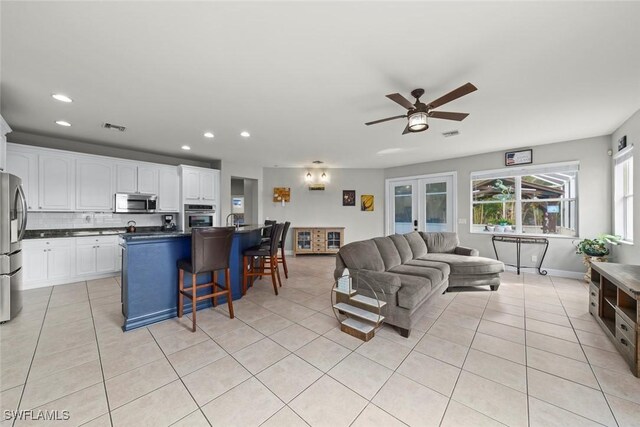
{"points": [[454, 94], [449, 116], [396, 97], [406, 130], [385, 120]]}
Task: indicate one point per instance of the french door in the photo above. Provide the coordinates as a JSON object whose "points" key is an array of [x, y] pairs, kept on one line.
{"points": [[424, 203]]}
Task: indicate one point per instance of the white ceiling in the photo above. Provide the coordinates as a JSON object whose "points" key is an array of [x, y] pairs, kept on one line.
{"points": [[303, 77]]}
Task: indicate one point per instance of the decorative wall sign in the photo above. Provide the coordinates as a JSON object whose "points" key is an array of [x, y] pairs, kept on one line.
{"points": [[348, 197], [316, 187], [366, 202], [522, 157], [281, 194], [622, 143]]}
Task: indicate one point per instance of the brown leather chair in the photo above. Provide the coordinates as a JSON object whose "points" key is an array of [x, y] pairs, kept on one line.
{"points": [[210, 252], [268, 261], [281, 258]]}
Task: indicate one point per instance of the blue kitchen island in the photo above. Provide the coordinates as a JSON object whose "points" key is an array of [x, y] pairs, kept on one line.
{"points": [[150, 273]]}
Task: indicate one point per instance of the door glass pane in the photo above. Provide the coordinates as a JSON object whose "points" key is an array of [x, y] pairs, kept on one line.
{"points": [[436, 207], [402, 209]]}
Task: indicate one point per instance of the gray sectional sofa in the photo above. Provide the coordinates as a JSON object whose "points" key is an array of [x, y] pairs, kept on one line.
{"points": [[408, 270]]}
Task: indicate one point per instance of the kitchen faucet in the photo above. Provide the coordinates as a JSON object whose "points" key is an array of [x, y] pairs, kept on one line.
{"points": [[234, 221]]}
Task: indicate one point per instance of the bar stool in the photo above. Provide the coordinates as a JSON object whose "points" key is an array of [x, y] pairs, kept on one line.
{"points": [[266, 232], [281, 258], [210, 252], [268, 260]]}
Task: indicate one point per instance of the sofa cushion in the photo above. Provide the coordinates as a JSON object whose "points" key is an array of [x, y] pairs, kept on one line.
{"points": [[388, 252], [435, 275], [363, 255], [442, 266], [417, 244], [413, 290], [441, 242], [461, 264], [403, 247]]}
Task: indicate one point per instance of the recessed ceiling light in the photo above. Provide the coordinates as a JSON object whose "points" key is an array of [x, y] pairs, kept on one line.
{"points": [[208, 134], [61, 97], [63, 123], [186, 147], [245, 134]]}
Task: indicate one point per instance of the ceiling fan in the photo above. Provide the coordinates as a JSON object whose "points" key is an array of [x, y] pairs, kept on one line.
{"points": [[417, 113]]}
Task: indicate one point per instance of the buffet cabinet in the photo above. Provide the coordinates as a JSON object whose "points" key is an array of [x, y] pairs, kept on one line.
{"points": [[317, 240], [614, 292]]}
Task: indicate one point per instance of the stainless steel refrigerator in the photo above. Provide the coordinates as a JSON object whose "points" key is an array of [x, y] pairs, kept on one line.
{"points": [[13, 222]]}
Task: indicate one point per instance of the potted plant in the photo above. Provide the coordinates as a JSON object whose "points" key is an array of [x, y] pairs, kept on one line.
{"points": [[595, 249]]}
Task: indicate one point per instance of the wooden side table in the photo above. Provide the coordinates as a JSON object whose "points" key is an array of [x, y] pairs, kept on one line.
{"points": [[587, 260]]}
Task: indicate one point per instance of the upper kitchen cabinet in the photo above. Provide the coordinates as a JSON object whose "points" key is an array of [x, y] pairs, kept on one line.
{"points": [[23, 163], [200, 185], [169, 190], [56, 182], [131, 178], [94, 184], [4, 130]]}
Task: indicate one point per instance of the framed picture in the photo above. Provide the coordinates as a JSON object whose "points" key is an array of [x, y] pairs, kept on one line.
{"points": [[366, 202], [622, 143], [522, 157], [348, 197]]}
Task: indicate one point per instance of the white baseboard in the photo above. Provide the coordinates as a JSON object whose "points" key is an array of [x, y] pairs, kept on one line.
{"points": [[67, 280], [550, 271]]}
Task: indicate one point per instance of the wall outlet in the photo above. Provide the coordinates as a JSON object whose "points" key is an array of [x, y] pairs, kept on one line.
{"points": [[534, 258]]}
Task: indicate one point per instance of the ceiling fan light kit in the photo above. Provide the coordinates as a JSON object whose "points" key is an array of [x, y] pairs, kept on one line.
{"points": [[418, 112]]}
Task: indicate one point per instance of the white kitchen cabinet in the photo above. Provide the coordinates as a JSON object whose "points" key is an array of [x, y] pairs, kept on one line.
{"points": [[24, 164], [147, 179], [200, 185], [56, 183], [94, 185], [96, 255], [48, 259], [126, 178], [131, 178], [168, 190]]}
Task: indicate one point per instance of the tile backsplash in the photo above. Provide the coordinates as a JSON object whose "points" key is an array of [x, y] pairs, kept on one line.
{"points": [[58, 220]]}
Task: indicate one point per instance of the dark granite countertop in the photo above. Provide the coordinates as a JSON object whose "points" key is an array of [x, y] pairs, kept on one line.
{"points": [[81, 232], [173, 234]]}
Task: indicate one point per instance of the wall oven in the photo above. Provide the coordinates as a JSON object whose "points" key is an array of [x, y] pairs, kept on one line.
{"points": [[135, 203], [199, 216]]}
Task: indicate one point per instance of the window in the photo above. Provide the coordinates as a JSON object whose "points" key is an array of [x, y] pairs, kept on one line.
{"points": [[623, 194], [536, 200]]}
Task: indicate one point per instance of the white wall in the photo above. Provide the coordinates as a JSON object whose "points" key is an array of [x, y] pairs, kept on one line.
{"points": [[630, 254], [324, 208], [236, 170], [593, 198]]}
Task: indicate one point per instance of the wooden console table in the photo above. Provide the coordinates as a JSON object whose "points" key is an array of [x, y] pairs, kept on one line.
{"points": [[614, 292], [317, 240], [519, 241]]}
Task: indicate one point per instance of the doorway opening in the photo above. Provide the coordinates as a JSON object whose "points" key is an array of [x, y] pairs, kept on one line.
{"points": [[244, 200]]}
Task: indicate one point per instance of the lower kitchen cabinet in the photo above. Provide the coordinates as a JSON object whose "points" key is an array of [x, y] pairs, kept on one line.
{"points": [[49, 262], [96, 255]]}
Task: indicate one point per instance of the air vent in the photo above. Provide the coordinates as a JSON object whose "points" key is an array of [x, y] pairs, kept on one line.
{"points": [[317, 162], [114, 127], [450, 133]]}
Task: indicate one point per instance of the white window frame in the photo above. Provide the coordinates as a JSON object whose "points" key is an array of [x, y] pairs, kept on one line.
{"points": [[623, 196], [518, 173]]}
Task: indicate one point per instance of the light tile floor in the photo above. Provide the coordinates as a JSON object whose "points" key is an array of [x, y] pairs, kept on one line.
{"points": [[528, 354]]}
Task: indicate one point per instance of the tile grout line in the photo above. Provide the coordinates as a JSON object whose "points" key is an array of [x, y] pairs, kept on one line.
{"points": [[33, 356], [95, 333]]}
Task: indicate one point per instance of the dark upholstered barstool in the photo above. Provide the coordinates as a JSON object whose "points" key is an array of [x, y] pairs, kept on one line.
{"points": [[210, 252], [266, 232], [281, 258], [268, 260]]}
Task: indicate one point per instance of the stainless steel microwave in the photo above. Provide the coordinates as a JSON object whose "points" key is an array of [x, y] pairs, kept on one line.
{"points": [[135, 203]]}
